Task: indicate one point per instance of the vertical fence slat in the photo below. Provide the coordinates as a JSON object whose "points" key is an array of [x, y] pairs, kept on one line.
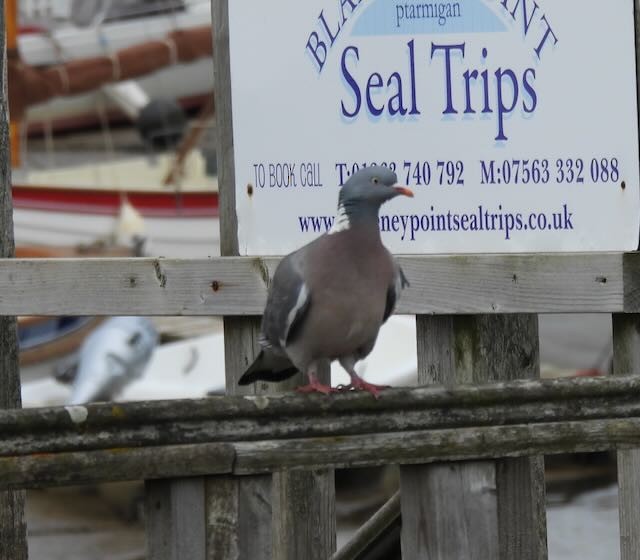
{"points": [[236, 510], [13, 532], [175, 519], [475, 510], [626, 359], [304, 515], [248, 533], [304, 520], [295, 511]]}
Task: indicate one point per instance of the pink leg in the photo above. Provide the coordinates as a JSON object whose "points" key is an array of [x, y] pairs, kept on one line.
{"points": [[315, 386]]}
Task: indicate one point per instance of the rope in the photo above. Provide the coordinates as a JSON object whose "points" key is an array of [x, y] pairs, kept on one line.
{"points": [[115, 66], [64, 77], [173, 50]]}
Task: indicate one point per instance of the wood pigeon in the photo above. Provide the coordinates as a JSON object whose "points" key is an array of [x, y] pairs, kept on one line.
{"points": [[329, 298]]}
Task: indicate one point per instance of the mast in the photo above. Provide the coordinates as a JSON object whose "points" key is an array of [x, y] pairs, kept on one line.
{"points": [[11, 18]]}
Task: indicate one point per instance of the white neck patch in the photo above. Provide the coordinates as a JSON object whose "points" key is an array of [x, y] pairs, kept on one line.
{"points": [[341, 223]]}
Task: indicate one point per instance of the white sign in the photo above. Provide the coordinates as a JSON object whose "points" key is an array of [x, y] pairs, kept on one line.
{"points": [[513, 121]]}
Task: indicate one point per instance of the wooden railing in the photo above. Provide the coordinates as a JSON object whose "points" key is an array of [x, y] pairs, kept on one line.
{"points": [[250, 476], [264, 434]]}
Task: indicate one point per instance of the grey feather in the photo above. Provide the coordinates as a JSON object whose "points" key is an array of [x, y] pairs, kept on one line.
{"points": [[329, 298]]}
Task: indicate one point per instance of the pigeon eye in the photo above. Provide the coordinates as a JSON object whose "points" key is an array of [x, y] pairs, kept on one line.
{"points": [[375, 180]]}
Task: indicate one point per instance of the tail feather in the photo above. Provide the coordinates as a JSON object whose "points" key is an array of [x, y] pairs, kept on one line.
{"points": [[267, 367]]}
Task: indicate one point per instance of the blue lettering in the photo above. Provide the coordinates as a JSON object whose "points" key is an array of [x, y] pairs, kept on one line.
{"points": [[449, 109], [375, 82], [527, 86], [353, 6], [502, 108], [396, 108], [548, 32], [315, 45], [332, 36], [351, 81]]}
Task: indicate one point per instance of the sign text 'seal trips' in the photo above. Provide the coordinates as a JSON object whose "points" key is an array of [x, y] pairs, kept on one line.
{"points": [[502, 91]]}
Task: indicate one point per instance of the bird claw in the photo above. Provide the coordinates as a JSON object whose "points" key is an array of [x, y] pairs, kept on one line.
{"points": [[316, 388], [360, 384]]}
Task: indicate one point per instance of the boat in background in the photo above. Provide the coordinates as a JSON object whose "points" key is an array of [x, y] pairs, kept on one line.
{"points": [[52, 32], [194, 368], [119, 200], [91, 56]]}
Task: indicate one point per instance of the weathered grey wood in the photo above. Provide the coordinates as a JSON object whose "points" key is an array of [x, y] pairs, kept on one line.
{"points": [[514, 353], [626, 357], [175, 519], [601, 282], [554, 395], [249, 534], [91, 467], [13, 531], [234, 419], [382, 522], [461, 506], [236, 511], [253, 516], [303, 503], [430, 446], [308, 493], [507, 498], [304, 520], [304, 515], [266, 456]]}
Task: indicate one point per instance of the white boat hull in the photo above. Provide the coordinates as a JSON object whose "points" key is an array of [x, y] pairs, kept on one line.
{"points": [[189, 237]]}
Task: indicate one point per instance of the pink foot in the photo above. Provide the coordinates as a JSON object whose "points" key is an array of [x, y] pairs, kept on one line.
{"points": [[316, 387], [360, 384]]}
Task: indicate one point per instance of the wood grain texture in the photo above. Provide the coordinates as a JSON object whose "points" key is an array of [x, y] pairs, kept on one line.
{"points": [[461, 509], [252, 523], [314, 453], [13, 530], [488, 284], [237, 507], [304, 517], [384, 523], [504, 515], [221, 420], [175, 519], [229, 420], [240, 333], [626, 357], [302, 503], [92, 467], [509, 349]]}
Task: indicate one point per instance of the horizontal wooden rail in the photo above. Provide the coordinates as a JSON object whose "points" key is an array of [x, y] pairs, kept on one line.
{"points": [[245, 435], [554, 283]]}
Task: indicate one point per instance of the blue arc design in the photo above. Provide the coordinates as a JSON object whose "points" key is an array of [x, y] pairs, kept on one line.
{"points": [[418, 17]]}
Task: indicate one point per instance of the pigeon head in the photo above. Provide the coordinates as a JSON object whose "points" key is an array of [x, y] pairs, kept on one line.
{"points": [[364, 193], [372, 185]]}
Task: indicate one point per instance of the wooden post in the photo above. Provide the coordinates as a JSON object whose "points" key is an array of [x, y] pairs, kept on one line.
{"points": [[13, 532], [10, 26], [475, 510], [626, 360], [290, 515], [175, 519]]}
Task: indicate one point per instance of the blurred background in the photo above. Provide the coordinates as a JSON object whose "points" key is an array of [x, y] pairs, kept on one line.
{"points": [[113, 151]]}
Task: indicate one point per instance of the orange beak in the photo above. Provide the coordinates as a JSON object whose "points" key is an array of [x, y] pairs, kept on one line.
{"points": [[404, 191]]}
